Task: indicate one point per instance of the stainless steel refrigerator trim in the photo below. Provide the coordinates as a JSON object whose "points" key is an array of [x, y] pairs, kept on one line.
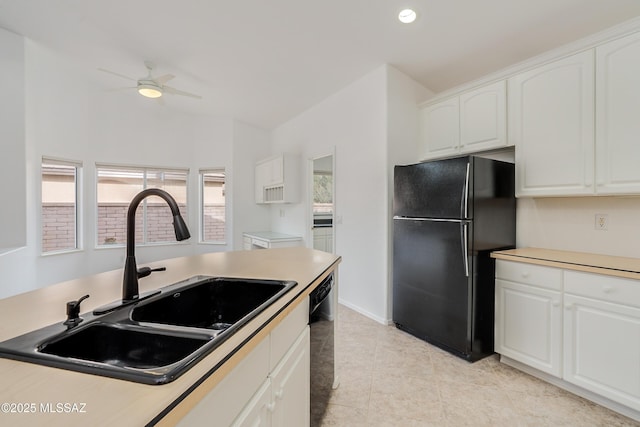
{"points": [[410, 218], [465, 246], [464, 200]]}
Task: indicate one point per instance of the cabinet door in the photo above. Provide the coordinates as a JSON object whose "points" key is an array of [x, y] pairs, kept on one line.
{"points": [[263, 175], [227, 400], [440, 129], [551, 123], [602, 348], [483, 118], [617, 108], [291, 385], [258, 411], [528, 325], [319, 239], [277, 170]]}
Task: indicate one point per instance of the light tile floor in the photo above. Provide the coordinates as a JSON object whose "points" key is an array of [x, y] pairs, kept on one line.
{"points": [[389, 378]]}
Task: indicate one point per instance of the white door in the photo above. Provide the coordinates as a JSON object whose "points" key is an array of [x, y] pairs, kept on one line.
{"points": [[602, 348], [529, 325], [551, 123], [617, 116], [322, 208]]}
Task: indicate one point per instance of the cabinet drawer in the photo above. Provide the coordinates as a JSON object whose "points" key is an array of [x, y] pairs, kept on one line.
{"points": [[605, 288], [260, 243], [530, 274]]}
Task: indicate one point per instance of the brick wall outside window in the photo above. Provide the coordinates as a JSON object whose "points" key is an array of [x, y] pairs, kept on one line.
{"points": [[59, 224]]}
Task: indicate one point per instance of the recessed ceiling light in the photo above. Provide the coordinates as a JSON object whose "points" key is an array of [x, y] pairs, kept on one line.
{"points": [[407, 16]]}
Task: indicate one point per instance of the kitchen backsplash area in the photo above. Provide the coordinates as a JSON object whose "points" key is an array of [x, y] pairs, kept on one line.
{"points": [[570, 224]]}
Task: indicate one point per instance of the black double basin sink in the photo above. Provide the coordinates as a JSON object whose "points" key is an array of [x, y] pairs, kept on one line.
{"points": [[155, 340]]}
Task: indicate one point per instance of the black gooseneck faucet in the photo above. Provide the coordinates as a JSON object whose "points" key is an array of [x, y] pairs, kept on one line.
{"points": [[130, 290]]}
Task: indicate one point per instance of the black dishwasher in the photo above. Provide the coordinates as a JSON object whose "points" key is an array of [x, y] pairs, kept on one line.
{"points": [[321, 326]]}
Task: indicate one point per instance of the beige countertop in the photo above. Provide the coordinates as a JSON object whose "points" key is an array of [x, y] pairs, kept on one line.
{"points": [[580, 261], [100, 401]]}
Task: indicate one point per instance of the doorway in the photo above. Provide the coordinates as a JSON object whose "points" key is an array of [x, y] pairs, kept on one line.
{"points": [[322, 203]]}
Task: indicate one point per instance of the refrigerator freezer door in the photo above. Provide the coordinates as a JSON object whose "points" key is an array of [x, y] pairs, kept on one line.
{"points": [[438, 189], [431, 288]]}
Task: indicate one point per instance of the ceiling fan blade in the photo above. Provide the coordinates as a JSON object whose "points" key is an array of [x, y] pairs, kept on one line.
{"points": [[118, 89], [116, 74], [163, 79], [175, 91]]}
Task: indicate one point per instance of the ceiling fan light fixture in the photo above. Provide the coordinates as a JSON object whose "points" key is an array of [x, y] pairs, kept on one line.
{"points": [[149, 91], [407, 16]]}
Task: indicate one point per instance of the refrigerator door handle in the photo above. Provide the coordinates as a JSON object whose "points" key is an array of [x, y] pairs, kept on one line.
{"points": [[464, 200], [465, 247]]}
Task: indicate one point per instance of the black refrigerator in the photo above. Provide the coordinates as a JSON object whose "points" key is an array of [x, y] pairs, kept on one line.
{"points": [[448, 217]]}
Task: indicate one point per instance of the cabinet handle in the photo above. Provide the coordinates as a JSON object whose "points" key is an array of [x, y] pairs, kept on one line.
{"points": [[555, 303], [525, 274], [279, 394], [270, 407], [607, 289], [568, 306]]}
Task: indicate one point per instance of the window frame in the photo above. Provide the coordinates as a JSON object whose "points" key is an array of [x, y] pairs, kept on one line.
{"points": [[143, 205], [78, 202], [201, 222]]}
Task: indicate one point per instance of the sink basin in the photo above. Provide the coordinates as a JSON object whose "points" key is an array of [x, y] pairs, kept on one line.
{"points": [[155, 340], [124, 346], [216, 303]]}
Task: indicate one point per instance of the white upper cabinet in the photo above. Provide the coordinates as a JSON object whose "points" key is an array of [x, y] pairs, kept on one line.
{"points": [[483, 118], [618, 116], [551, 123], [276, 179], [439, 129], [471, 122]]}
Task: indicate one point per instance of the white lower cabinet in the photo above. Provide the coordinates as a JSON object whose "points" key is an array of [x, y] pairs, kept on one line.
{"points": [[283, 399], [257, 413], [583, 328], [529, 325], [269, 387], [323, 239], [290, 386], [602, 336], [528, 318]]}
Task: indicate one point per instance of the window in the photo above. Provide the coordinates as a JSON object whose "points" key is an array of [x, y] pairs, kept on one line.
{"points": [[213, 214], [59, 205], [116, 187], [322, 192]]}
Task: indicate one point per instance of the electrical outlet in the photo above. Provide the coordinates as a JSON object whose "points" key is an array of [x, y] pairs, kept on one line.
{"points": [[602, 222]]}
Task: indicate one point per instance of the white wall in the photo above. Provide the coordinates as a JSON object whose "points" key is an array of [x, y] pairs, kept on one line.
{"points": [[250, 145], [569, 224], [404, 94], [67, 117], [12, 150], [355, 124]]}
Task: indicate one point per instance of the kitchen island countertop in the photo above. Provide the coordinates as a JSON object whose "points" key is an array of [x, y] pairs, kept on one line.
{"points": [[39, 395]]}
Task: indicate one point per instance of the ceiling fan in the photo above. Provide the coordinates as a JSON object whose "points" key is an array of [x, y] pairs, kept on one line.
{"points": [[152, 87]]}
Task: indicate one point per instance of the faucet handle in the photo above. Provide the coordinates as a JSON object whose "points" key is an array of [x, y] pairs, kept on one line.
{"points": [[73, 312], [145, 271]]}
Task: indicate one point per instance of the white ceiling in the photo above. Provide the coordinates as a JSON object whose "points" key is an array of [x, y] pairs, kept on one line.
{"points": [[265, 61]]}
